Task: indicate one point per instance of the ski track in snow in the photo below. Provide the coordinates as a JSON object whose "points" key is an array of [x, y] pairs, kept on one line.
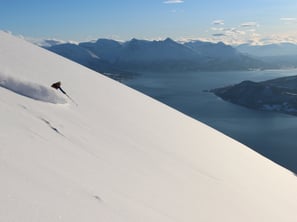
{"points": [[57, 131], [50, 125]]}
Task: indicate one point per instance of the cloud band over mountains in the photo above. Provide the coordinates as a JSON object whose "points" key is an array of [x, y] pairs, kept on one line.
{"points": [[173, 1]]}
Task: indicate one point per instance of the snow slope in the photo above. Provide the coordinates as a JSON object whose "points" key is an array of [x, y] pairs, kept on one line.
{"points": [[120, 155]]}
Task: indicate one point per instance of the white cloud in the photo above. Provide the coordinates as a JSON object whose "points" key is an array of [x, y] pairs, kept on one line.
{"points": [[292, 38], [218, 22], [251, 30], [173, 1], [234, 31], [248, 32], [288, 19], [218, 34], [249, 24], [245, 32], [242, 33], [217, 29]]}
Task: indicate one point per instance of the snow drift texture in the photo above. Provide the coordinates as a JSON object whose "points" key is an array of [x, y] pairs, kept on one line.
{"points": [[120, 156], [31, 90]]}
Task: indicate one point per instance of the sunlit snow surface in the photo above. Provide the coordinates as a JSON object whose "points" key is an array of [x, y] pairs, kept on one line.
{"points": [[120, 156]]}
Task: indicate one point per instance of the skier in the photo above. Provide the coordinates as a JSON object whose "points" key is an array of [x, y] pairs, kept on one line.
{"points": [[57, 85]]}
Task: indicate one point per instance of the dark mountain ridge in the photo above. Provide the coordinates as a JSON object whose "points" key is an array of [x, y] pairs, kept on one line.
{"points": [[110, 56]]}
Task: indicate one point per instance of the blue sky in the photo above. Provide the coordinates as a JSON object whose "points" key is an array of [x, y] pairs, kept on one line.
{"points": [[231, 21]]}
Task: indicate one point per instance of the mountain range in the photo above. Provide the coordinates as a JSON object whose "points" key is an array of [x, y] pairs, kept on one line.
{"points": [[278, 55], [110, 56], [279, 49]]}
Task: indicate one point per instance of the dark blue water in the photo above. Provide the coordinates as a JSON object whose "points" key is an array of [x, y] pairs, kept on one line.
{"points": [[273, 135]]}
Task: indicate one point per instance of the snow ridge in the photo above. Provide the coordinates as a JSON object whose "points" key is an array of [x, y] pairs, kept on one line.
{"points": [[31, 90]]}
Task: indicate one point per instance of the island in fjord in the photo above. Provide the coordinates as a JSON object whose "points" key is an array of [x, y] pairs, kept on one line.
{"points": [[277, 95]]}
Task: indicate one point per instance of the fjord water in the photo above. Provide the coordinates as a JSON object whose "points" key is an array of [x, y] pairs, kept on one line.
{"points": [[274, 135]]}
